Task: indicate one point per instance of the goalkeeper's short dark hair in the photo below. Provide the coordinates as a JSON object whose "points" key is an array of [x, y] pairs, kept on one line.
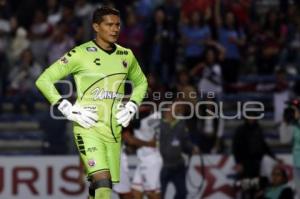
{"points": [[102, 11]]}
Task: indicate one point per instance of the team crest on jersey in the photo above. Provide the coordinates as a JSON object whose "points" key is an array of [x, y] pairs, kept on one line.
{"points": [[91, 163], [91, 49], [125, 64], [64, 60]]}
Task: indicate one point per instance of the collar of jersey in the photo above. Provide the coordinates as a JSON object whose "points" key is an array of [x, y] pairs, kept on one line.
{"points": [[107, 51]]}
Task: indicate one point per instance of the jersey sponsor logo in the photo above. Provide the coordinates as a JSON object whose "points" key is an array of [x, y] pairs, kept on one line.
{"points": [[97, 61], [91, 163], [63, 60], [91, 49], [125, 64], [99, 94], [122, 52], [91, 149]]}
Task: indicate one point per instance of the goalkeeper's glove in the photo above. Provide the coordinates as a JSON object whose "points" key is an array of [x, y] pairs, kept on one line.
{"points": [[126, 113], [76, 113]]}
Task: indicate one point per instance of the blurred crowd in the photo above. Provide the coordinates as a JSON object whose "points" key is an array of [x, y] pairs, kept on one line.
{"points": [[192, 47], [188, 46], [214, 42]]}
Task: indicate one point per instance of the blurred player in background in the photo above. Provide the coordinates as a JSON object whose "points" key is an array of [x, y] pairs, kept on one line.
{"points": [[123, 188], [100, 68], [174, 141], [293, 118], [146, 179]]}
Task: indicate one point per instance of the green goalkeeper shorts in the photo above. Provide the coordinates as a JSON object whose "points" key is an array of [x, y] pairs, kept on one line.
{"points": [[98, 155]]}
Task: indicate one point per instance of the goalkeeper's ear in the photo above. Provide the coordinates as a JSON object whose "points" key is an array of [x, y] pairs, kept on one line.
{"points": [[95, 27]]}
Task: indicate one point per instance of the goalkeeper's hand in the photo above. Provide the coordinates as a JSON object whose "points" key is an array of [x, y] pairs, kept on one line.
{"points": [[126, 113], [76, 113]]}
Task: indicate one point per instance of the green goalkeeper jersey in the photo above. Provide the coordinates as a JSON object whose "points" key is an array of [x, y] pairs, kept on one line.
{"points": [[99, 77]]}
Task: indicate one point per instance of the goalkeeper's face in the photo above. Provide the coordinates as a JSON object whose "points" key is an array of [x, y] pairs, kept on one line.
{"points": [[108, 29]]}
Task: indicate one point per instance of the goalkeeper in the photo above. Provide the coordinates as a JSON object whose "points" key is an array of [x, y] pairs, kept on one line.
{"points": [[100, 68]]}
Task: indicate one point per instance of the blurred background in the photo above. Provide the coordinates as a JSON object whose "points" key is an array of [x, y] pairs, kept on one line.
{"points": [[241, 50]]}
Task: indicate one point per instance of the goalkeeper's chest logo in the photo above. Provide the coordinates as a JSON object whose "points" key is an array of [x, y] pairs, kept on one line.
{"points": [[99, 94]]}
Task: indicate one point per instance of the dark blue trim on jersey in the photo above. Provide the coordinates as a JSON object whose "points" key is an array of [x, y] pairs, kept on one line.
{"points": [[114, 47]]}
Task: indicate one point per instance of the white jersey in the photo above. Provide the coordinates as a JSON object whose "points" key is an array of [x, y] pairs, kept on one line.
{"points": [[147, 132], [147, 174]]}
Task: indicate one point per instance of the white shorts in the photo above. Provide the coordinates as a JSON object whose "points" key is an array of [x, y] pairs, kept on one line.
{"points": [[147, 174], [124, 185]]}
